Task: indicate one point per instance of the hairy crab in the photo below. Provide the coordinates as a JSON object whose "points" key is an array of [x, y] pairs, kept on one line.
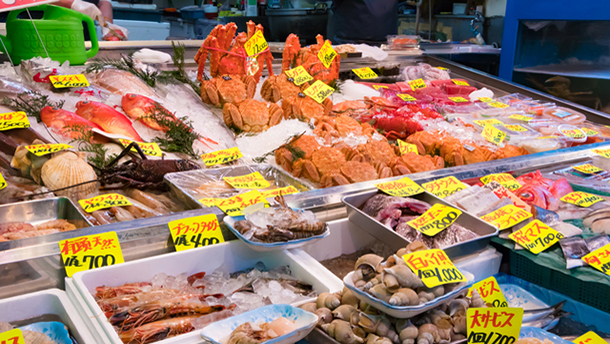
{"points": [[324, 160], [278, 87], [252, 115], [350, 172], [333, 127], [295, 56], [305, 108], [413, 163], [227, 89], [301, 147]]}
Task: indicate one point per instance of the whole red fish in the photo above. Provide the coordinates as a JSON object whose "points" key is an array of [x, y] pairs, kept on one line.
{"points": [[542, 192], [109, 119], [58, 119], [139, 108]]}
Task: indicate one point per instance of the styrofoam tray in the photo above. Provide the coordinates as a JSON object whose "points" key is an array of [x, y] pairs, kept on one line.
{"points": [[51, 301], [235, 255]]}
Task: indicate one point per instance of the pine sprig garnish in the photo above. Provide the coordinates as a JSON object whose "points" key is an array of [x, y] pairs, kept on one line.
{"points": [[84, 141], [31, 103], [180, 134], [127, 64]]}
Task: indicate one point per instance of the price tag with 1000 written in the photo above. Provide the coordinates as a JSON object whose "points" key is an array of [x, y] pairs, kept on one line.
{"points": [[327, 54], [507, 216], [505, 179], [64, 81], [256, 44], [590, 338], [104, 201], [220, 157], [493, 325], [599, 259], [403, 187], [365, 73], [493, 134], [444, 187], [150, 149], [44, 149], [299, 75], [587, 168], [90, 252], [603, 152], [490, 292], [195, 232], [14, 336], [536, 236], [14, 120], [233, 206], [433, 267], [406, 147], [417, 84], [319, 91], [435, 219], [581, 199], [254, 180]]}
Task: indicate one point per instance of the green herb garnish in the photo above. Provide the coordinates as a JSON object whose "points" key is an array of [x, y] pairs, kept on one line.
{"points": [[31, 103], [84, 140]]}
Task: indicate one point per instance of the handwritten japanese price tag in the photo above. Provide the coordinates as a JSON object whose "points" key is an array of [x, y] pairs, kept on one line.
{"points": [[505, 179], [603, 152], [514, 127], [64, 81], [522, 118], [589, 132], [403, 187], [581, 199], [90, 252], [406, 147], [234, 205], [498, 105], [256, 44], [14, 336], [599, 259], [406, 97], [281, 191], [433, 267], [13, 120], [208, 202], [485, 99], [150, 149], [460, 82], [493, 325], [587, 168], [220, 157], [491, 121], [493, 134], [103, 201], [459, 99], [490, 292], [444, 187], [377, 87], [319, 91], [299, 75], [536, 236], [417, 84], [327, 54], [590, 338], [3, 183], [44, 149], [573, 133], [442, 68], [507, 216], [365, 73], [435, 219], [253, 180], [193, 232]]}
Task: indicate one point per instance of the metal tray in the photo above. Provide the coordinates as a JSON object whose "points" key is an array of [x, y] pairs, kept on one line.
{"points": [[43, 210], [183, 184], [389, 237]]}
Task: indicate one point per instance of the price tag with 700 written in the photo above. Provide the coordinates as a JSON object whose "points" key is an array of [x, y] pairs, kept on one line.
{"points": [[536, 236], [590, 338], [603, 152], [403, 187], [433, 267], [490, 292], [195, 232], [14, 336], [493, 134], [64, 81], [365, 73], [507, 216], [254, 180], [220, 157], [233, 206], [406, 147], [103, 201], [493, 325], [435, 219], [327, 54], [599, 259], [444, 187], [44, 149], [581, 199], [299, 75], [505, 179], [417, 84], [150, 149], [587, 168], [281, 191], [13, 120], [256, 44], [319, 91], [90, 252]]}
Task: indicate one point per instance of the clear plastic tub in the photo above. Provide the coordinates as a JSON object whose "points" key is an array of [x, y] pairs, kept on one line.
{"points": [[564, 115], [541, 144]]}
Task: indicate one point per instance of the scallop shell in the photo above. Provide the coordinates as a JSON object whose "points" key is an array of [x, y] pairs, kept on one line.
{"points": [[69, 169]]}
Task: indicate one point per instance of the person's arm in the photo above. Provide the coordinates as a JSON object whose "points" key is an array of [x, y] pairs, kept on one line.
{"points": [[106, 8]]}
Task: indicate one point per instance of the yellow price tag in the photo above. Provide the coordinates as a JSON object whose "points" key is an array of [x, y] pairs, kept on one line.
{"points": [[288, 190], [507, 216], [13, 120], [14, 336], [505, 179], [435, 219], [522, 118], [589, 132], [377, 87], [498, 105], [150, 149], [603, 152], [90, 252], [63, 81], [365, 73], [299, 75], [514, 127], [3, 183], [491, 121], [433, 267], [234, 205], [485, 99], [256, 44], [493, 134], [573, 133], [208, 202], [442, 68], [40, 150], [319, 91], [193, 232], [104, 201], [490, 292], [536, 236], [417, 84], [493, 325], [403, 187], [220, 157], [587, 168], [327, 54], [445, 186], [599, 259], [590, 338], [459, 99], [460, 82], [581, 199], [406, 97], [253, 180], [406, 147]]}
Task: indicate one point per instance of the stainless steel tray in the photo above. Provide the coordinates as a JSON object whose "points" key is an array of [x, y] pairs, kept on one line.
{"points": [[39, 211], [183, 184], [389, 237]]}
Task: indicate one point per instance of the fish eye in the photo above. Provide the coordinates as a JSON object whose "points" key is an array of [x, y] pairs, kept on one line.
{"points": [[226, 77], [132, 95], [85, 102], [54, 109], [301, 95]]}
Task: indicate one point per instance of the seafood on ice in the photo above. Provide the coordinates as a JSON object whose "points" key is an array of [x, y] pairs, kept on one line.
{"points": [[29, 337], [20, 230], [253, 333], [109, 119]]}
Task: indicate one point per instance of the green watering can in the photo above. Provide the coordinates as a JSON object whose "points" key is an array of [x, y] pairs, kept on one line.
{"points": [[60, 29]]}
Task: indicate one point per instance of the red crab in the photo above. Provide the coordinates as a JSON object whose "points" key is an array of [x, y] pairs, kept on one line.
{"points": [[402, 122]]}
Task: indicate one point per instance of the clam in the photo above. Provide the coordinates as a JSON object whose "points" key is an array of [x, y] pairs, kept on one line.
{"points": [[67, 169]]}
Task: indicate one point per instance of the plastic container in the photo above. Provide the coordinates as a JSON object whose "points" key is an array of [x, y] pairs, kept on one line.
{"points": [[541, 144], [234, 255], [564, 115]]}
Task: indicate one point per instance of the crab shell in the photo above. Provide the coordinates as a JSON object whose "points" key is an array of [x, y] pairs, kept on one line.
{"points": [[252, 115], [304, 145], [323, 161], [227, 89], [305, 108], [279, 87]]}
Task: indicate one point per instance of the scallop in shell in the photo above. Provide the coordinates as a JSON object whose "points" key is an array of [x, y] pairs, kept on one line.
{"points": [[67, 169]]}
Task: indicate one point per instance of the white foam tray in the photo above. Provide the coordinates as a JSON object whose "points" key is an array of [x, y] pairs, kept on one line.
{"points": [[234, 254], [50, 301]]}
